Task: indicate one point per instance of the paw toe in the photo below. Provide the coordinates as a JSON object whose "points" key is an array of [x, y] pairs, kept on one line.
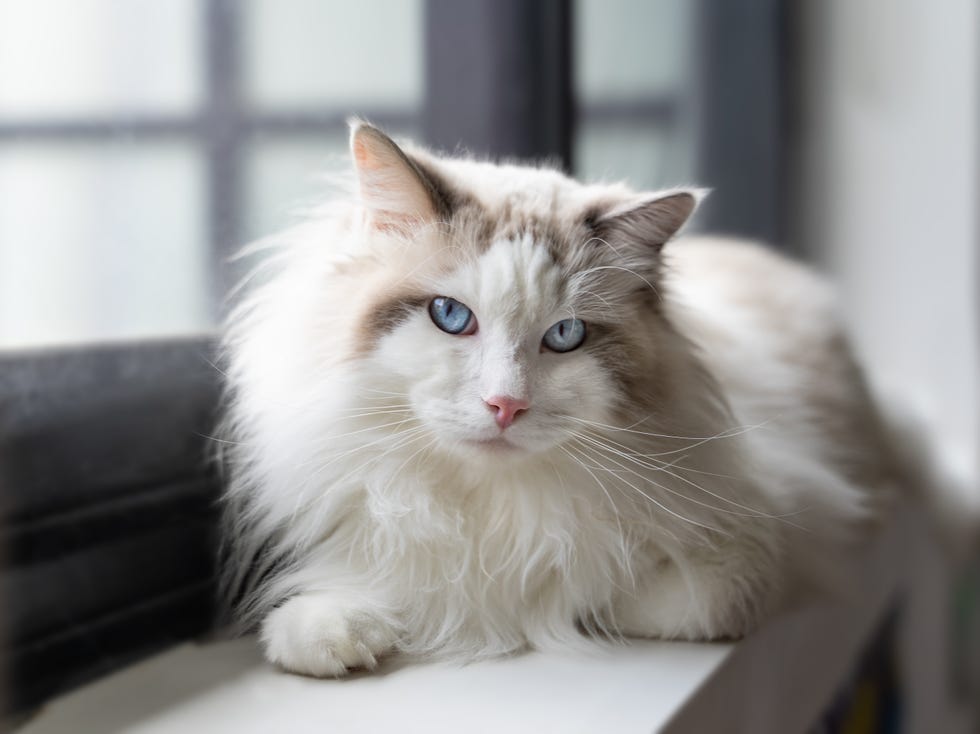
{"points": [[312, 636]]}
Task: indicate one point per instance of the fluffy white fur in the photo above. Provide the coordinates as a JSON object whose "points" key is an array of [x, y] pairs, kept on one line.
{"points": [[677, 482]]}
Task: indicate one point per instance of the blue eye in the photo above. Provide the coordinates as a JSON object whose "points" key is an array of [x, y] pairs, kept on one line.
{"points": [[452, 316], [565, 336]]}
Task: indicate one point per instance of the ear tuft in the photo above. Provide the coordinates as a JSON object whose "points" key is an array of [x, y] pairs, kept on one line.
{"points": [[397, 194]]}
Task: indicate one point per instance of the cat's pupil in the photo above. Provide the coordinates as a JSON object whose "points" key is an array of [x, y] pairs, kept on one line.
{"points": [[565, 335]]}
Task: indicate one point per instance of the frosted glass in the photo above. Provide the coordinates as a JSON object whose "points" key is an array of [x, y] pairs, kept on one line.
{"points": [[287, 176], [75, 58], [333, 53], [643, 155], [101, 242], [627, 49]]}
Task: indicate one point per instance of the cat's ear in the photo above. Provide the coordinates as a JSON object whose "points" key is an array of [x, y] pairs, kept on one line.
{"points": [[394, 189], [648, 220]]}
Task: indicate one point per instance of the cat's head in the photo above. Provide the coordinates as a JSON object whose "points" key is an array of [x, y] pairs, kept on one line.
{"points": [[512, 305]]}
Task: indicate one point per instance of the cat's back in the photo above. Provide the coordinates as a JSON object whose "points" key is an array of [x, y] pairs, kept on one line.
{"points": [[737, 299], [769, 331], [753, 281]]}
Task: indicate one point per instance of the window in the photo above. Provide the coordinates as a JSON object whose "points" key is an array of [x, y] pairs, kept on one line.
{"points": [[634, 85], [142, 142]]}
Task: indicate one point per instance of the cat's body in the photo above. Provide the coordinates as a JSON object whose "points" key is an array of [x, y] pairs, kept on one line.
{"points": [[398, 484]]}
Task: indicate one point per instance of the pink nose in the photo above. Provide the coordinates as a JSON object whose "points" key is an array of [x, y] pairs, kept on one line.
{"points": [[506, 408]]}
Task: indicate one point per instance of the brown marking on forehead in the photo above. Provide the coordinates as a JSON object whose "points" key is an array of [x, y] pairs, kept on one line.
{"points": [[383, 315], [579, 244], [477, 226], [557, 236], [473, 229], [444, 197]]}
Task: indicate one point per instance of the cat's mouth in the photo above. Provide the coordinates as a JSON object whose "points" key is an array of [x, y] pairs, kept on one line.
{"points": [[495, 444]]}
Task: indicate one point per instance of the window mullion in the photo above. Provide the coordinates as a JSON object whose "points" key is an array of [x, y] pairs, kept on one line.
{"points": [[498, 77], [223, 116]]}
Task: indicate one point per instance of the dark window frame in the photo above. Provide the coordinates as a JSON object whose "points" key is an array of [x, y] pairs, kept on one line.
{"points": [[744, 53]]}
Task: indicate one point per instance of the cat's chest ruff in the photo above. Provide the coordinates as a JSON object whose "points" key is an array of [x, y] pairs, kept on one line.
{"points": [[513, 538]]}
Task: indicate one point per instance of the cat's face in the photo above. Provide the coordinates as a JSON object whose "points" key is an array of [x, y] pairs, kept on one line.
{"points": [[495, 360], [515, 314]]}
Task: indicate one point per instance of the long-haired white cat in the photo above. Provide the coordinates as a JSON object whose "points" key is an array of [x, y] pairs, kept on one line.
{"points": [[481, 408]]}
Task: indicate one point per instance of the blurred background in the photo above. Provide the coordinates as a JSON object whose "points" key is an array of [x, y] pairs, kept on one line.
{"points": [[142, 142]]}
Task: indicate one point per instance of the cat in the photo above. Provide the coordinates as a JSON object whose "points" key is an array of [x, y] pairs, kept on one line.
{"points": [[482, 408]]}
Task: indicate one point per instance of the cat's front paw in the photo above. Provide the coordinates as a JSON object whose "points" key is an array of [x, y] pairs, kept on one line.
{"points": [[322, 636]]}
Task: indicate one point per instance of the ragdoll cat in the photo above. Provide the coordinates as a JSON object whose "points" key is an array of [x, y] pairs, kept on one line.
{"points": [[481, 408]]}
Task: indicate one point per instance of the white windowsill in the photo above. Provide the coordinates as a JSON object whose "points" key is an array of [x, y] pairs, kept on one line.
{"points": [[779, 679]]}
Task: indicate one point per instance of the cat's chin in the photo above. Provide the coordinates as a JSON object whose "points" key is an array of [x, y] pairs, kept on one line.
{"points": [[493, 445], [495, 448]]}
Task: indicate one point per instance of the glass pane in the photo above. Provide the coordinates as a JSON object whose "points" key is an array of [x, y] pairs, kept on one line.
{"points": [[287, 176], [643, 155], [101, 242], [285, 179], [333, 53], [73, 58], [629, 49]]}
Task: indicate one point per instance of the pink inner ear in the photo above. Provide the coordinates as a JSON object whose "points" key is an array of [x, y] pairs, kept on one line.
{"points": [[390, 186], [363, 156]]}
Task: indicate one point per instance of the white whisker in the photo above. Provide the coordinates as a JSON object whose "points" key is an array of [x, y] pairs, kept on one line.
{"points": [[749, 511], [663, 506], [629, 455]]}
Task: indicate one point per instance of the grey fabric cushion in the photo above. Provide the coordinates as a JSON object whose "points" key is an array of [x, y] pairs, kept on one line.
{"points": [[107, 509]]}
